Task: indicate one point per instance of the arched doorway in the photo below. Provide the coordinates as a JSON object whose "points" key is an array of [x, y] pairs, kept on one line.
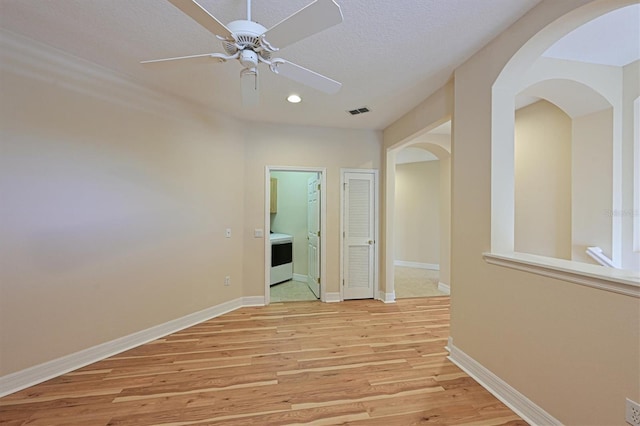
{"points": [[421, 179]]}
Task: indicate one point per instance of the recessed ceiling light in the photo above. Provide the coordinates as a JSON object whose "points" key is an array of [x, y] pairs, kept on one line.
{"points": [[294, 99]]}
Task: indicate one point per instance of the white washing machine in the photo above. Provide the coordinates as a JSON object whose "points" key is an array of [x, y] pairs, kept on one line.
{"points": [[281, 257]]}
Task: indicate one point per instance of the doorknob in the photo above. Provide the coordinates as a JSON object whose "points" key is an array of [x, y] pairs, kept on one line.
{"points": [[370, 242]]}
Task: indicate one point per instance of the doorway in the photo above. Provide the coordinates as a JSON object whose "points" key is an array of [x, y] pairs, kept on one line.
{"points": [[294, 222], [417, 225], [418, 248]]}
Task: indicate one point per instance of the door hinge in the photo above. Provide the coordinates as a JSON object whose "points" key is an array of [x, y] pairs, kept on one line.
{"points": [[318, 280], [318, 233], [318, 187], [343, 282]]}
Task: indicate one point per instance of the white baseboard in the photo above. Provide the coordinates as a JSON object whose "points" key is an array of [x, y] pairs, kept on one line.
{"points": [[430, 266], [253, 301], [445, 288], [387, 297], [300, 277], [513, 399], [39, 373], [332, 297]]}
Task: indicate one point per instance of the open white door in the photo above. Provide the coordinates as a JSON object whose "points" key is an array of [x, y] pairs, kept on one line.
{"points": [[359, 234], [313, 235]]}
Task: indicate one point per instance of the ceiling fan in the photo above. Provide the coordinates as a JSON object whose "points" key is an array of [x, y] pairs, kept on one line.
{"points": [[251, 43]]}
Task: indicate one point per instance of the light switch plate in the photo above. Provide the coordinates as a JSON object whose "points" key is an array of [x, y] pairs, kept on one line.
{"points": [[258, 233]]}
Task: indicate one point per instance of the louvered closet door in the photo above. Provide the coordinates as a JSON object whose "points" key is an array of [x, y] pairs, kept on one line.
{"points": [[359, 234]]}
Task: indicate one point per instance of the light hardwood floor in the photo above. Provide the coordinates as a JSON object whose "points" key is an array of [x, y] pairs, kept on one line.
{"points": [[357, 362]]}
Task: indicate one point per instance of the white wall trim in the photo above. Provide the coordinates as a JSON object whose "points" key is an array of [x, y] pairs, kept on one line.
{"points": [[513, 399], [300, 277], [387, 297], [332, 297], [636, 175], [39, 373], [615, 280], [445, 288], [418, 265], [253, 301]]}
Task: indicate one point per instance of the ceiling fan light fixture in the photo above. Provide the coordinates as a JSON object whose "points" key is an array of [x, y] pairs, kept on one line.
{"points": [[294, 99], [249, 58]]}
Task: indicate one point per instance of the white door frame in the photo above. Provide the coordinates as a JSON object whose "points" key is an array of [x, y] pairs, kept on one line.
{"points": [[313, 234], [322, 172], [376, 251]]}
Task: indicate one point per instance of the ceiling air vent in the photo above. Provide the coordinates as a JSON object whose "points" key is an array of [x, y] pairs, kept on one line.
{"points": [[359, 111]]}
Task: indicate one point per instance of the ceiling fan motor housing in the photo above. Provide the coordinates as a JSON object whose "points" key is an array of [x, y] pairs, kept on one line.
{"points": [[247, 34]]}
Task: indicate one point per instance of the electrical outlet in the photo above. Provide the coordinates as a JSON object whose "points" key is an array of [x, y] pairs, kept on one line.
{"points": [[632, 413], [227, 233], [227, 280]]}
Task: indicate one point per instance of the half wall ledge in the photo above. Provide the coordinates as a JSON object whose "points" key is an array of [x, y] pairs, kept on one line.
{"points": [[615, 280]]}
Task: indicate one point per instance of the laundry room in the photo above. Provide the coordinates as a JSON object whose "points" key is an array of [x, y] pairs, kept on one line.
{"points": [[294, 219]]}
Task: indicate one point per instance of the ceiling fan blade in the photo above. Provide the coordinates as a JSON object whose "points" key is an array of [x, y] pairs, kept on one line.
{"points": [[206, 56], [249, 87], [203, 17], [317, 16], [305, 76]]}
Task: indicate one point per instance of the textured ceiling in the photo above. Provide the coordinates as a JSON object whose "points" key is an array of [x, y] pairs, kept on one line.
{"points": [[388, 55]]}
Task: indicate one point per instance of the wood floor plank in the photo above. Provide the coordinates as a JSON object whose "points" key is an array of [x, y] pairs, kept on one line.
{"points": [[357, 362]]}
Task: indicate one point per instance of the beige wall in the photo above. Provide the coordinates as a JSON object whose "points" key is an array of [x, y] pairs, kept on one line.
{"points": [[115, 202], [543, 181], [112, 216], [417, 217], [592, 184], [292, 214], [543, 336], [537, 334], [277, 145]]}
